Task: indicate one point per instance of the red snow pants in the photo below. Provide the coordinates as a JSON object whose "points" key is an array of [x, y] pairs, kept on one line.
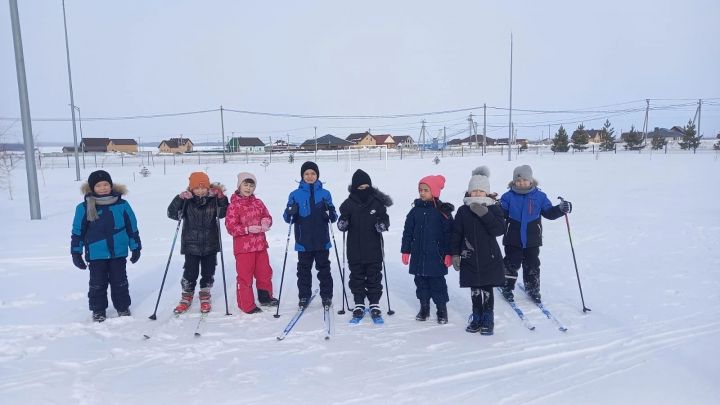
{"points": [[248, 266]]}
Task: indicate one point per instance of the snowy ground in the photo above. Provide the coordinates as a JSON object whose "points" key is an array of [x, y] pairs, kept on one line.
{"points": [[646, 231]]}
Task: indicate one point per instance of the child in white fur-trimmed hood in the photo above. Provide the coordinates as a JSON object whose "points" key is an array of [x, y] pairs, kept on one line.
{"points": [[476, 253]]}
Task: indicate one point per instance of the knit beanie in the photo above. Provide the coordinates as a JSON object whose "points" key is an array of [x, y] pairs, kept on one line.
{"points": [[523, 172], [311, 166], [98, 176], [436, 184], [245, 176], [199, 179], [480, 180], [359, 178]]}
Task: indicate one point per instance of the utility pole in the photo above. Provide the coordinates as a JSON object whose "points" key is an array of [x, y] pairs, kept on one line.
{"points": [[422, 138], [315, 137], [645, 124], [72, 99], [484, 128], [444, 138], [33, 195], [222, 128], [470, 129], [271, 148], [698, 114], [510, 115]]}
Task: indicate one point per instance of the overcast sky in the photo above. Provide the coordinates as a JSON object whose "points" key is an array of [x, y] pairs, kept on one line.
{"points": [[148, 57]]}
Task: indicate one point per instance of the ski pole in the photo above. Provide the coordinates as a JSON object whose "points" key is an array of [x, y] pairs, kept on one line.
{"points": [[222, 257], [167, 266], [342, 276], [567, 222], [387, 291], [282, 276]]}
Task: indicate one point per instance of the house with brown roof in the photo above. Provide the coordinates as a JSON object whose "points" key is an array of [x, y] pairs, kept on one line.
{"points": [[403, 141], [122, 145], [326, 142], [385, 140], [94, 144], [361, 138], [176, 145]]}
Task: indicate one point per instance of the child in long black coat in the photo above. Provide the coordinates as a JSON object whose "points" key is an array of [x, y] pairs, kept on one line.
{"points": [[476, 253], [364, 216], [426, 246]]}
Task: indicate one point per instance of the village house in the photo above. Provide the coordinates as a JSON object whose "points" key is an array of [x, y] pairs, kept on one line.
{"points": [[326, 142], [361, 139], [176, 145], [245, 145], [122, 146]]}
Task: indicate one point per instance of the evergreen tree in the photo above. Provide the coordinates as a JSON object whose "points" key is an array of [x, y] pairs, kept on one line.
{"points": [[560, 141], [689, 140], [658, 142], [634, 139], [607, 139], [580, 138]]}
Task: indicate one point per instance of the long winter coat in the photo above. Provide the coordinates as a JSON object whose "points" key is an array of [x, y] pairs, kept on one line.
{"points": [[523, 212], [364, 242], [474, 240], [315, 207], [242, 213], [200, 226], [427, 233], [112, 234]]}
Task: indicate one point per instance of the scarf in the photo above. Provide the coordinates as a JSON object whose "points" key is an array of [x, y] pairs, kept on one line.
{"points": [[92, 200], [480, 200]]}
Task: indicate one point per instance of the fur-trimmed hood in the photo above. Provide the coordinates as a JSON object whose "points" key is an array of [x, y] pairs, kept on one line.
{"points": [[117, 189], [385, 199], [533, 183], [216, 185]]}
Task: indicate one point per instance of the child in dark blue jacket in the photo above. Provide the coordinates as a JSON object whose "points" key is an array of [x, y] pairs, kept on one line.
{"points": [[309, 208], [426, 246], [524, 204], [104, 229]]}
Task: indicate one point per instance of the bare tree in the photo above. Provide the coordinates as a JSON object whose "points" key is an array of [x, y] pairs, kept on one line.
{"points": [[8, 161]]}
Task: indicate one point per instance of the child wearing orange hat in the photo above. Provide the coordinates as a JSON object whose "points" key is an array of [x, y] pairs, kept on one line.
{"points": [[426, 246], [200, 207]]}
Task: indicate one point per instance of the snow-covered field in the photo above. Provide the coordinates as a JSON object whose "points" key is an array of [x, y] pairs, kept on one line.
{"points": [[646, 231]]}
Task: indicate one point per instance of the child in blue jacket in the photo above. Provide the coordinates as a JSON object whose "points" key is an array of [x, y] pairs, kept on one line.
{"points": [[104, 229], [524, 204], [309, 208], [426, 247]]}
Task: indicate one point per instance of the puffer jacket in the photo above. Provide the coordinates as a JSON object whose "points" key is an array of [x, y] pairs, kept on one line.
{"points": [[426, 236], [242, 213], [315, 209], [200, 221], [523, 213], [474, 240], [364, 243], [112, 234]]}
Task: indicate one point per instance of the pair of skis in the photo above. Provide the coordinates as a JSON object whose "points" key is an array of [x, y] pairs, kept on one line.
{"points": [[377, 320], [199, 326], [540, 305], [328, 320]]}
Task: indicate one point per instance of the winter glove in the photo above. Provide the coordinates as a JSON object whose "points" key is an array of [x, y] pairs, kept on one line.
{"points": [[565, 207], [332, 215], [380, 227], [479, 209], [406, 258], [216, 192], [78, 261], [186, 195], [292, 211], [254, 229], [456, 262], [343, 225], [448, 261], [265, 224], [135, 256]]}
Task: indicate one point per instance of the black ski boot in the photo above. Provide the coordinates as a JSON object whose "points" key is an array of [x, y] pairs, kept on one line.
{"points": [[99, 316], [424, 313], [487, 323], [375, 311], [442, 315], [474, 323], [327, 302], [125, 312], [359, 311], [507, 293], [266, 300], [531, 277], [303, 302]]}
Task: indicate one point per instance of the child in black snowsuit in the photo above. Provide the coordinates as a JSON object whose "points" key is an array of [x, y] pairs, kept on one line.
{"points": [[364, 216], [199, 206], [309, 208], [426, 246], [105, 228], [476, 253], [524, 204]]}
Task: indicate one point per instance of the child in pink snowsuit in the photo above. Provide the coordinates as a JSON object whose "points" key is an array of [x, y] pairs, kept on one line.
{"points": [[247, 221]]}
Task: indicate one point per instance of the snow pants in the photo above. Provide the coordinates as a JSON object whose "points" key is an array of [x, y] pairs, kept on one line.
{"points": [[248, 266], [366, 281], [431, 287], [108, 272], [529, 258], [304, 273], [193, 266]]}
